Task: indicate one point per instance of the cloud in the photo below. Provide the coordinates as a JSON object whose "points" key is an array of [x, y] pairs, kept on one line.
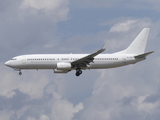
{"points": [[122, 93], [64, 110], [108, 94], [30, 24], [11, 82], [116, 4], [5, 115], [57, 8], [44, 117], [129, 24], [31, 118], [146, 107], [122, 27], [40, 4], [118, 94], [153, 4], [35, 101], [153, 98]]}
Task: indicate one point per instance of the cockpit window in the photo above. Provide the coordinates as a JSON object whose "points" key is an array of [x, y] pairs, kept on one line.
{"points": [[14, 58]]}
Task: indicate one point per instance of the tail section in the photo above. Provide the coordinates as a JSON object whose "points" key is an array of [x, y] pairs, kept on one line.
{"points": [[139, 44]]}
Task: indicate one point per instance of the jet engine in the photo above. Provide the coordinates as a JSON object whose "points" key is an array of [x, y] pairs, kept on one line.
{"points": [[64, 66]]}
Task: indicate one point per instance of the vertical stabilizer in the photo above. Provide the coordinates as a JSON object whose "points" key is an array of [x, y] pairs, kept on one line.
{"points": [[139, 44]]}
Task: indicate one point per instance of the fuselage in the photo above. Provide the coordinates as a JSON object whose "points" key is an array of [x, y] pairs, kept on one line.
{"points": [[49, 61]]}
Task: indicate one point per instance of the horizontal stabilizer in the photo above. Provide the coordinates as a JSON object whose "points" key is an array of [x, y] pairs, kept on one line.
{"points": [[144, 55]]}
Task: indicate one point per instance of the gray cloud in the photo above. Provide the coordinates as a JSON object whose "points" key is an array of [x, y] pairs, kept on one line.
{"points": [[123, 4], [153, 98], [24, 29]]}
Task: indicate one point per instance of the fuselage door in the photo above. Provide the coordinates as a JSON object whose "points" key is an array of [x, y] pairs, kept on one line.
{"points": [[124, 59], [24, 60]]}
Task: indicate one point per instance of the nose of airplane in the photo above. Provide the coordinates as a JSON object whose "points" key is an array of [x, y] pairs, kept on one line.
{"points": [[8, 63]]}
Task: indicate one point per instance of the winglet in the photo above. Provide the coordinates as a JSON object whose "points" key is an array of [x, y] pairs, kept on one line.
{"points": [[104, 47]]}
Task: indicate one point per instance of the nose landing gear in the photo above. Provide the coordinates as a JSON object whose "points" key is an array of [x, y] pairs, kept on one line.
{"points": [[78, 72], [20, 73]]}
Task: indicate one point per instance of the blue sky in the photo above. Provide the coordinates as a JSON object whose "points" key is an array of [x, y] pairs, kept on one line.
{"points": [[79, 26]]}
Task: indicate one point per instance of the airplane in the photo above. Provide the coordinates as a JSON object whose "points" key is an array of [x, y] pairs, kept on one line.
{"points": [[63, 63]]}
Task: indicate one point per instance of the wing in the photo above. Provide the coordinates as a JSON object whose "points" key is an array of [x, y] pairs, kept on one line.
{"points": [[85, 61]]}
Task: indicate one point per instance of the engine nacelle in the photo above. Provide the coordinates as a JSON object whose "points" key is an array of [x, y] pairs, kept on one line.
{"points": [[64, 66], [60, 71]]}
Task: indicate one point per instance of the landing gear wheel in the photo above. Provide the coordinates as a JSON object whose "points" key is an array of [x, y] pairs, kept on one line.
{"points": [[78, 72], [20, 73]]}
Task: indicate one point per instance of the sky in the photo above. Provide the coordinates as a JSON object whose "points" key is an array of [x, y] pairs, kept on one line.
{"points": [[79, 26]]}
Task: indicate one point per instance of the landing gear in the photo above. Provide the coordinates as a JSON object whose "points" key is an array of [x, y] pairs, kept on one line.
{"points": [[20, 73], [78, 72]]}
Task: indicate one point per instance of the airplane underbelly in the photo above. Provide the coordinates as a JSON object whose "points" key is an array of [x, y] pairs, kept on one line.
{"points": [[105, 65], [41, 66]]}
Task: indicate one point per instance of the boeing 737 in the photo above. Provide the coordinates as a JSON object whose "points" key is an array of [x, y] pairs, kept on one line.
{"points": [[63, 63]]}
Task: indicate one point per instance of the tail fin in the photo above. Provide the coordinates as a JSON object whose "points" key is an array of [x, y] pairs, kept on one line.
{"points": [[139, 44]]}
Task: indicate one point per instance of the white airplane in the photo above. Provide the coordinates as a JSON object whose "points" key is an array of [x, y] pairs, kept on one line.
{"points": [[63, 63]]}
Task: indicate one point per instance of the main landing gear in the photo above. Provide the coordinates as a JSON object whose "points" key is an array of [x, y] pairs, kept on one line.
{"points": [[78, 72], [20, 73]]}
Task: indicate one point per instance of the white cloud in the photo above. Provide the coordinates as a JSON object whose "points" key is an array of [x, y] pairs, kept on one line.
{"points": [[57, 9], [153, 4], [115, 94], [95, 4], [22, 111], [65, 110], [41, 4], [31, 118], [125, 26], [114, 85], [44, 117], [122, 27], [144, 107], [5, 115], [136, 4], [49, 46], [33, 86]]}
